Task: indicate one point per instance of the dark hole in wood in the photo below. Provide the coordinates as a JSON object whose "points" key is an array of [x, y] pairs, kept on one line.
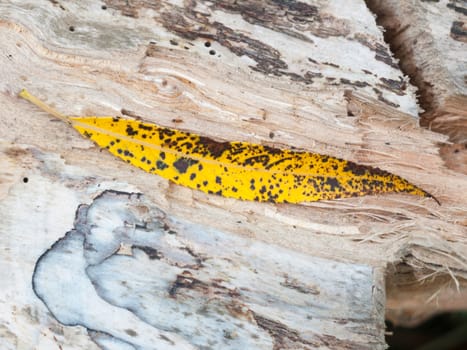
{"points": [[71, 28], [207, 44], [212, 52], [25, 180]]}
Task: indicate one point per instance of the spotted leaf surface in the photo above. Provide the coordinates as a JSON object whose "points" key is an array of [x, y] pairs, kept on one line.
{"points": [[237, 169]]}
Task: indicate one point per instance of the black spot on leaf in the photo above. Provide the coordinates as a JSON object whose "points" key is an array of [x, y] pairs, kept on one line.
{"points": [[182, 164], [332, 181], [161, 165], [144, 127], [130, 131]]}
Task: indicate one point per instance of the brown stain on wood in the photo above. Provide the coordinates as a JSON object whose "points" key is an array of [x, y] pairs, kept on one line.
{"points": [[457, 6], [293, 18], [354, 82], [282, 335], [280, 16], [382, 52], [455, 156], [286, 338], [152, 50], [185, 280], [459, 31], [299, 286], [15, 152], [151, 253], [396, 86], [416, 50], [381, 98]]}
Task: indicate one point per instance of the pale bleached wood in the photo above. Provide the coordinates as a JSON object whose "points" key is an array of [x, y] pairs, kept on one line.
{"points": [[123, 58], [119, 272], [172, 284]]}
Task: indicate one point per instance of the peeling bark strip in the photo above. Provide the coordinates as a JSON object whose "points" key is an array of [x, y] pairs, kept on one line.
{"points": [[234, 169], [159, 296], [300, 22]]}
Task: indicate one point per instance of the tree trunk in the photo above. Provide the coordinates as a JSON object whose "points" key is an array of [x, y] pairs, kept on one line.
{"points": [[138, 262]]}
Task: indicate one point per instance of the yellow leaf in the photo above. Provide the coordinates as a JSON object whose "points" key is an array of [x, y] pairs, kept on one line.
{"points": [[233, 169]]}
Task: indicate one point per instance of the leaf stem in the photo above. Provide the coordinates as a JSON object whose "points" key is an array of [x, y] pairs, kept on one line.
{"points": [[46, 108]]}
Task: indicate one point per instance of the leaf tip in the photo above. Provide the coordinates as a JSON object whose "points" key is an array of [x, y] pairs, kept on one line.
{"points": [[423, 193], [429, 195]]}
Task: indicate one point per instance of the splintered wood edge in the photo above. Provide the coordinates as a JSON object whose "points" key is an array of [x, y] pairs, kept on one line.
{"points": [[430, 43]]}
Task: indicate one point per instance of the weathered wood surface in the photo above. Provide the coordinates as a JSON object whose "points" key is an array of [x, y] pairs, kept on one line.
{"points": [[126, 275], [171, 284], [303, 75], [430, 39]]}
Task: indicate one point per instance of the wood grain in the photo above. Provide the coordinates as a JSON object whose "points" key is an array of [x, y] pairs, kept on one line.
{"points": [[430, 39], [133, 59]]}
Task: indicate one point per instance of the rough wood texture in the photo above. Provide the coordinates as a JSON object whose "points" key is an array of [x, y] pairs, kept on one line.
{"points": [[179, 285], [303, 75], [119, 273], [430, 39]]}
